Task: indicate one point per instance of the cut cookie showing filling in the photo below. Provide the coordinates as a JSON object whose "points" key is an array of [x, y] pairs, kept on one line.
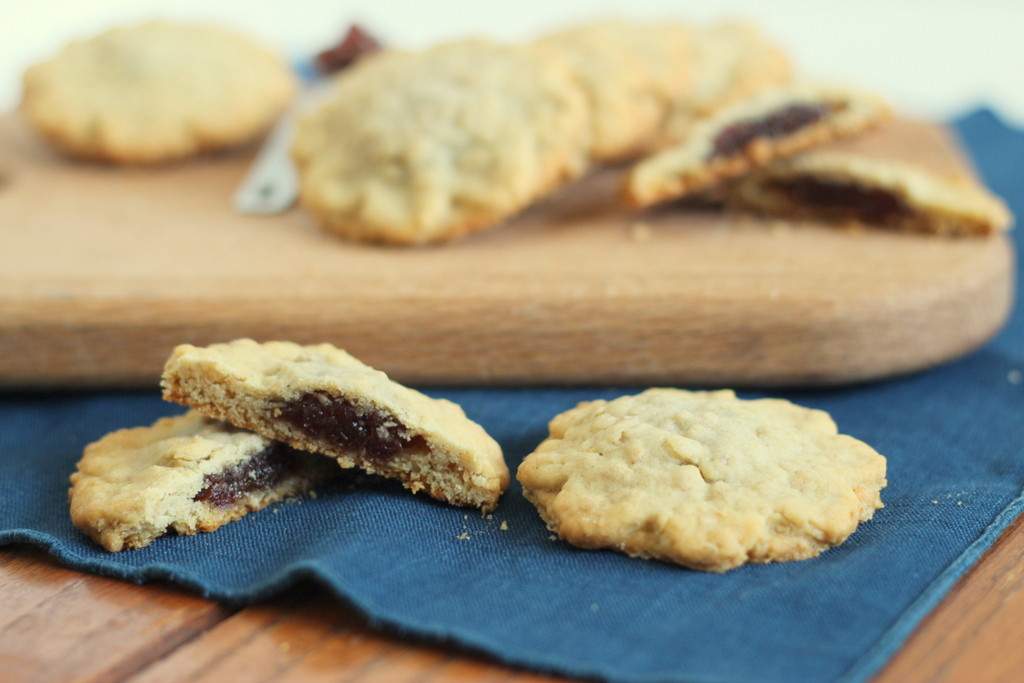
{"points": [[319, 398], [750, 134], [184, 474], [839, 186]]}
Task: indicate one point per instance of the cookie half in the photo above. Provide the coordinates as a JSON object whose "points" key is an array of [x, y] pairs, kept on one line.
{"points": [[732, 61], [320, 399], [156, 92], [750, 134], [632, 73], [419, 147], [841, 187], [184, 474], [702, 479]]}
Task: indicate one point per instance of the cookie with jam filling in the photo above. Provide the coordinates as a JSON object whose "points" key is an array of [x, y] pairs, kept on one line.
{"points": [[319, 398], [841, 187], [183, 474], [750, 134]]}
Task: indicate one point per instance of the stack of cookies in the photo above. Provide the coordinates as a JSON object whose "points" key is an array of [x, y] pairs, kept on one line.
{"points": [[268, 421]]}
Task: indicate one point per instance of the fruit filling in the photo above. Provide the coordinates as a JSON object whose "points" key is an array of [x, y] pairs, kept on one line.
{"points": [[734, 139], [262, 471], [354, 427], [845, 199]]}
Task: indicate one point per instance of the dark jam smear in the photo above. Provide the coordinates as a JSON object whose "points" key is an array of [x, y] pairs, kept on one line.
{"points": [[735, 138], [356, 43], [870, 205], [337, 420], [264, 470]]}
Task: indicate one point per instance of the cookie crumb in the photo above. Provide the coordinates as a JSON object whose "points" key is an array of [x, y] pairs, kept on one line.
{"points": [[462, 537], [312, 494], [936, 502], [594, 607], [504, 525], [959, 502], [552, 537], [1015, 377], [489, 516], [640, 232]]}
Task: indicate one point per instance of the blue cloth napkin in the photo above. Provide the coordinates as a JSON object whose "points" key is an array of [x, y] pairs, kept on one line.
{"points": [[952, 435]]}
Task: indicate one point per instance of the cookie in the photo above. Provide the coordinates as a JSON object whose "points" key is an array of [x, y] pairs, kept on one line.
{"points": [[157, 91], [841, 187], [732, 61], [632, 73], [320, 399], [419, 147], [184, 474], [749, 134], [702, 479]]}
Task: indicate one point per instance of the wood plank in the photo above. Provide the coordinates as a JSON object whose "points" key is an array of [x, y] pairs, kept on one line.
{"points": [[60, 625], [975, 633], [104, 270], [303, 637]]}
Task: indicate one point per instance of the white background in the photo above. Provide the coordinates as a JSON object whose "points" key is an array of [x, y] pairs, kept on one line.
{"points": [[932, 58]]}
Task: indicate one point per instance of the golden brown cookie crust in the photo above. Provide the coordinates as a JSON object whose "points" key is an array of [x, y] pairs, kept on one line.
{"points": [[135, 485], [257, 386], [420, 147], [702, 479], [901, 195], [694, 165], [156, 92]]}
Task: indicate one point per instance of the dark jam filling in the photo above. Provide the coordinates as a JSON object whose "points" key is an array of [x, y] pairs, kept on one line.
{"points": [[354, 45], [264, 470], [735, 138], [339, 421], [870, 205]]}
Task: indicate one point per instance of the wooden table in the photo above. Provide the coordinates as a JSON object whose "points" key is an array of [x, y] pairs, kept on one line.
{"points": [[60, 625]]}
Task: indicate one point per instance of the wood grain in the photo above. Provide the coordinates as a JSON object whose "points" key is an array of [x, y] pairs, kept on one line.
{"points": [[59, 625], [56, 624], [104, 270]]}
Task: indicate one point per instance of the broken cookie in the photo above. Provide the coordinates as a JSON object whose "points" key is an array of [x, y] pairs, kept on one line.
{"points": [[750, 134], [842, 186], [321, 399], [184, 474]]}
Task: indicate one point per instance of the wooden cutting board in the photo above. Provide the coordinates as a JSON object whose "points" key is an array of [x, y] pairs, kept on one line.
{"points": [[103, 270]]}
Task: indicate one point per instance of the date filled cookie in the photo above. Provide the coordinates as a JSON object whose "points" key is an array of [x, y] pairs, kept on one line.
{"points": [[843, 186], [752, 133], [319, 398], [184, 474], [156, 92], [420, 147], [702, 479]]}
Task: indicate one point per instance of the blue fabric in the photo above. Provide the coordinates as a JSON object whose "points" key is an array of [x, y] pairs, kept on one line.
{"points": [[952, 435]]}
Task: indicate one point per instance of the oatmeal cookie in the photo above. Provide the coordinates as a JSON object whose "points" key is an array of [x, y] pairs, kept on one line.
{"points": [[632, 73], [841, 186], [703, 479], [418, 147], [731, 61], [749, 134], [184, 474], [157, 91], [320, 399]]}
